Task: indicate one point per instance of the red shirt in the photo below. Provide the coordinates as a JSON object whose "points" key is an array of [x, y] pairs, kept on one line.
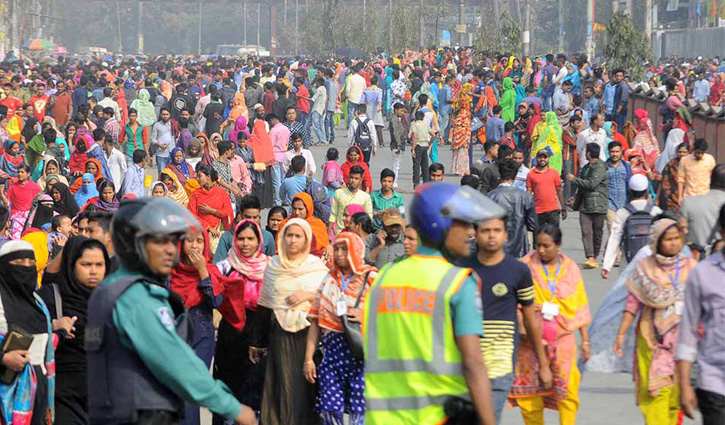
{"points": [[39, 103], [303, 104], [13, 104], [543, 184], [62, 109]]}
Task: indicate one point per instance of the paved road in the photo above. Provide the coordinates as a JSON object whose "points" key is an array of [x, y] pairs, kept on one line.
{"points": [[605, 398]]}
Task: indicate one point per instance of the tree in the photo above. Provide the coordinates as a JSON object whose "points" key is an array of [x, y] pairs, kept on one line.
{"points": [[627, 47], [511, 41]]}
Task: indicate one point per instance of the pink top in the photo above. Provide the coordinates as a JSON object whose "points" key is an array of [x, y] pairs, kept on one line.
{"points": [[331, 173], [280, 135], [240, 174]]}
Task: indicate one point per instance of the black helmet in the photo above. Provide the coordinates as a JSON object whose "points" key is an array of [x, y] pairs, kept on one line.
{"points": [[137, 219]]}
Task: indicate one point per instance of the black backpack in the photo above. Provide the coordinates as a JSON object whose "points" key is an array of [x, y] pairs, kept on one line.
{"points": [[363, 138], [636, 230]]}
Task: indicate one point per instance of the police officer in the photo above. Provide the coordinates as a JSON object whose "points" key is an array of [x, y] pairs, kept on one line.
{"points": [[423, 320], [141, 369]]}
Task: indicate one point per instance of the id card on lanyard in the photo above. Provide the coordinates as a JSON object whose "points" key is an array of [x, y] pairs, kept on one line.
{"points": [[549, 309], [341, 304]]}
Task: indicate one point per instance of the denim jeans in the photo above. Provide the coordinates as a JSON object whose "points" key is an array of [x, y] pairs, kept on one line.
{"points": [[317, 123], [501, 387], [303, 119], [548, 101], [276, 183], [162, 162], [330, 126], [444, 119], [351, 107]]}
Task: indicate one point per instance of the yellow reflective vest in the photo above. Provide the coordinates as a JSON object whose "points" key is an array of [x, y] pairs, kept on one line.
{"points": [[412, 363]]}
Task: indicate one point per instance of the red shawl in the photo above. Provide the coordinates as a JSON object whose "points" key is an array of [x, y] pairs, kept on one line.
{"points": [[214, 197], [21, 195], [185, 282], [78, 159], [76, 185], [367, 183], [261, 143]]}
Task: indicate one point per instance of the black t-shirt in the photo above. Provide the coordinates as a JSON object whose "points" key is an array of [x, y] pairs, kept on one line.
{"points": [[503, 287]]}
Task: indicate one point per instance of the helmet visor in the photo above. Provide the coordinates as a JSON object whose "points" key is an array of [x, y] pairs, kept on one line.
{"points": [[471, 206], [162, 217]]}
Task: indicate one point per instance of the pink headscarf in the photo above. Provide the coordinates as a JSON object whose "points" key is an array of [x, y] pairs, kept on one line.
{"points": [[240, 126], [353, 209]]}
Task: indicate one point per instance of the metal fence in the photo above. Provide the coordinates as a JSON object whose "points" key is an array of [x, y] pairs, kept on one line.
{"points": [[688, 43]]}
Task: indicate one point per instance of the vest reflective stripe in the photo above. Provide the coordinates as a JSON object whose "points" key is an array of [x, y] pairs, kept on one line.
{"points": [[404, 403], [438, 364], [407, 321]]}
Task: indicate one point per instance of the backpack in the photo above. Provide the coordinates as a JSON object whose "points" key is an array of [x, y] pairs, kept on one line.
{"points": [[362, 137], [320, 199], [636, 230]]}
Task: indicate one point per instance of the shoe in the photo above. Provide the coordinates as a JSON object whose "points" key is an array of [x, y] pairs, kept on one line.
{"points": [[591, 264]]}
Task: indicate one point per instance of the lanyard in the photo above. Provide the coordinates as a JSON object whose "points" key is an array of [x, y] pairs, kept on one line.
{"points": [[552, 283], [675, 279], [345, 281]]}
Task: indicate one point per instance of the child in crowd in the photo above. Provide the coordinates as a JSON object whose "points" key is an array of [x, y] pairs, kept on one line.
{"points": [[332, 177]]}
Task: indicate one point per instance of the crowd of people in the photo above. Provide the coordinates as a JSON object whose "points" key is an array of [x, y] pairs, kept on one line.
{"points": [[102, 263]]}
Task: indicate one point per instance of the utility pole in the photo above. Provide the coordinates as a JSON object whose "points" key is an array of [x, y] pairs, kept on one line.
{"points": [[461, 21], [198, 35], [297, 27], [527, 28], [244, 22], [390, 25], [615, 6], [421, 23], [497, 19], [284, 20], [560, 4], [630, 8], [14, 33], [365, 9], [648, 20], [118, 26], [258, 25], [590, 30], [139, 27]]}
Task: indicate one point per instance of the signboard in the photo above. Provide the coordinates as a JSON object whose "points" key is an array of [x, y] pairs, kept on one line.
{"points": [[461, 28], [445, 38]]}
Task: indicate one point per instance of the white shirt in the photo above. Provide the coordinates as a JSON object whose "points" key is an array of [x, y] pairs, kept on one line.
{"points": [[117, 165], [559, 77], [355, 86], [319, 101], [371, 129], [615, 235], [107, 102], [306, 154], [590, 136]]}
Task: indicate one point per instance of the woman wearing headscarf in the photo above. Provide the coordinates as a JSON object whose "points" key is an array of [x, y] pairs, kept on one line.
{"points": [[508, 100], [289, 288], [461, 130], [211, 205], [31, 128], [106, 200], [180, 167], [680, 133], [355, 157], [146, 112], [245, 266], [78, 159], [645, 138], [341, 376], [547, 135], [87, 190], [175, 190], [303, 207], [201, 287], [12, 159], [28, 398], [240, 126], [20, 195], [194, 153], [92, 167], [51, 167], [562, 309], [83, 265], [656, 295], [158, 190], [41, 214], [63, 201]]}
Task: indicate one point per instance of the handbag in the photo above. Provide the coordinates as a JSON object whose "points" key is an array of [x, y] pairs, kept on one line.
{"points": [[352, 331], [476, 124]]}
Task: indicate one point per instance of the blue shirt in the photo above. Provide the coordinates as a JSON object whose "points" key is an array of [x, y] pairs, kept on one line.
{"points": [[494, 128], [134, 181], [608, 102], [291, 186], [445, 98], [618, 179]]}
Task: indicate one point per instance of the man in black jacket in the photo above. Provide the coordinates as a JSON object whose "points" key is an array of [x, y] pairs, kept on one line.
{"points": [[520, 206]]}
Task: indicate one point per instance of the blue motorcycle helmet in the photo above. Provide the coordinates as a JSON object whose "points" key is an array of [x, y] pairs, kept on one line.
{"points": [[436, 205]]}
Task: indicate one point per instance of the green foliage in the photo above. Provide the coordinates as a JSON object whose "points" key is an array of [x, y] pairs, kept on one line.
{"points": [[627, 47], [508, 40], [511, 40]]}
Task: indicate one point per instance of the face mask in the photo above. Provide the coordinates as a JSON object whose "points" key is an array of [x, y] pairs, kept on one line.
{"points": [[25, 277]]}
